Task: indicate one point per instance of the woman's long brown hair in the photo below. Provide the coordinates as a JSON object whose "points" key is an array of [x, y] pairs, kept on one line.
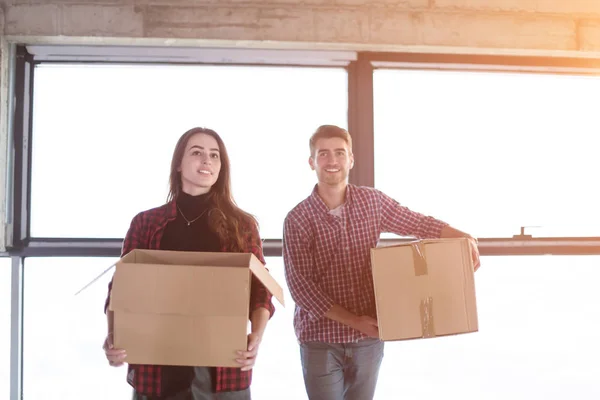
{"points": [[229, 221]]}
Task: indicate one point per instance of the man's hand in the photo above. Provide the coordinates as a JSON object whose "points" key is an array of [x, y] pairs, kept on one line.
{"points": [[450, 232], [367, 325], [474, 253], [362, 323], [247, 358], [116, 357]]}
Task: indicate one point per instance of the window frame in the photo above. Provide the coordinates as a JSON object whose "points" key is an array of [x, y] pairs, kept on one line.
{"points": [[360, 66]]}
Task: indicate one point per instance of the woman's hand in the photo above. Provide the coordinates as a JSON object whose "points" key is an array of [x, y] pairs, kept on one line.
{"points": [[248, 357], [115, 357]]}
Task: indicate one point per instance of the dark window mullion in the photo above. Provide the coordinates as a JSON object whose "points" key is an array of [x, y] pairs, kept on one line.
{"points": [[361, 121]]}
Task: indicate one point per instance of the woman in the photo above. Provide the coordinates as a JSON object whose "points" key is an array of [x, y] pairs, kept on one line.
{"points": [[200, 215]]}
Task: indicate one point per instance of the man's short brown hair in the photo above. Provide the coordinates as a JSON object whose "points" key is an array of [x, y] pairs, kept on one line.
{"points": [[327, 132]]}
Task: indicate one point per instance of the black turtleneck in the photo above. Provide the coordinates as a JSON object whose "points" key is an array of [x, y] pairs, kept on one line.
{"points": [[197, 236]]}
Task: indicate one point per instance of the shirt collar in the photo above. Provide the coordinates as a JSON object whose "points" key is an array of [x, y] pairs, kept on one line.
{"points": [[320, 205]]}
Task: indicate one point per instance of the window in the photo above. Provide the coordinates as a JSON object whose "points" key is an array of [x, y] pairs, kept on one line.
{"points": [[5, 314], [278, 369], [490, 152], [537, 338], [64, 333], [486, 152], [103, 136], [535, 331]]}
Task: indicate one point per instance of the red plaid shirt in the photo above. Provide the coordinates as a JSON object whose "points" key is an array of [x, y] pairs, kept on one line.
{"points": [[327, 257], [146, 232]]}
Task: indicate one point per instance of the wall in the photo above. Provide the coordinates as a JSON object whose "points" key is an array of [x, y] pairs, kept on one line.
{"points": [[544, 27], [513, 25]]}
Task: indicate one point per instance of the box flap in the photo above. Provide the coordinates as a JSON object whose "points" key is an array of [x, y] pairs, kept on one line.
{"points": [[259, 270], [128, 256]]}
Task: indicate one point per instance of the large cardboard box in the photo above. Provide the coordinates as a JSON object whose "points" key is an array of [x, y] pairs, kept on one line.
{"points": [[184, 308], [424, 289]]}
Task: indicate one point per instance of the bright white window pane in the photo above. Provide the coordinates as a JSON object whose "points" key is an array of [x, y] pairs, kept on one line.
{"points": [[278, 370], [538, 338], [63, 333], [491, 152], [5, 296], [103, 136], [74, 328]]}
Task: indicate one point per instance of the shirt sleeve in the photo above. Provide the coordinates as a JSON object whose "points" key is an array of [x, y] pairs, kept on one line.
{"points": [[400, 220], [259, 295], [132, 241], [299, 270]]}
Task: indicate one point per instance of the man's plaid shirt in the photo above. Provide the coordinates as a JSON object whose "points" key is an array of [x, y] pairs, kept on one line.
{"points": [[327, 257], [146, 232]]}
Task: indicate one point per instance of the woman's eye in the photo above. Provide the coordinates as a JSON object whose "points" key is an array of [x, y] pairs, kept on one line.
{"points": [[214, 155]]}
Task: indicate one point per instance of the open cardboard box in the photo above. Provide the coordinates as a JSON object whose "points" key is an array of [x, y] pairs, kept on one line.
{"points": [[184, 308], [424, 289]]}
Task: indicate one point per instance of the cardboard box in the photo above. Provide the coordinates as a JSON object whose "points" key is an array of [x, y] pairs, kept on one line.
{"points": [[184, 308], [424, 289]]}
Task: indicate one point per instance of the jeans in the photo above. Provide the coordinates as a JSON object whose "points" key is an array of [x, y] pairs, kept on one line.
{"points": [[341, 371], [201, 389]]}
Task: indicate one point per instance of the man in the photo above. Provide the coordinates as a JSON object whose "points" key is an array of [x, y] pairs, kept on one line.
{"points": [[326, 249]]}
